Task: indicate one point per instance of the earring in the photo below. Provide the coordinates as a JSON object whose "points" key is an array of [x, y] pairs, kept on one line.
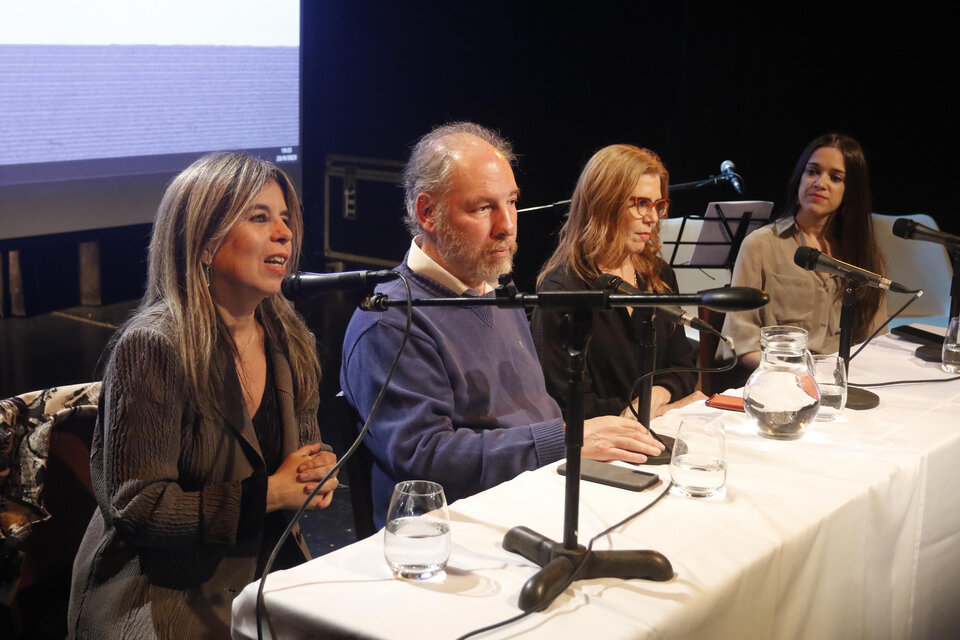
{"points": [[206, 272]]}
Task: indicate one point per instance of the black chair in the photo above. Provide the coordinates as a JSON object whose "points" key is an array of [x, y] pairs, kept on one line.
{"points": [[341, 419], [706, 356], [711, 383]]}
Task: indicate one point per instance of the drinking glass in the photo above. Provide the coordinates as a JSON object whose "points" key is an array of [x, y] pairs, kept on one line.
{"points": [[698, 465], [831, 376], [950, 361], [416, 540]]}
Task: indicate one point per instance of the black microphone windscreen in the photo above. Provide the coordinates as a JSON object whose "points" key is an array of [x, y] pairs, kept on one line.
{"points": [[290, 285], [904, 228], [806, 257], [734, 298]]}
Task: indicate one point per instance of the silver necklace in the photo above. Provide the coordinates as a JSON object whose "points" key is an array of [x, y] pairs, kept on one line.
{"points": [[249, 342]]}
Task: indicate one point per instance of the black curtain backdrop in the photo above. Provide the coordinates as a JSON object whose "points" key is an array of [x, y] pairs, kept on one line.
{"points": [[697, 83]]}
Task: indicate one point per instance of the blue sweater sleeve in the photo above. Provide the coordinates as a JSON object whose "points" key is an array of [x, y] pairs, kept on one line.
{"points": [[416, 433]]}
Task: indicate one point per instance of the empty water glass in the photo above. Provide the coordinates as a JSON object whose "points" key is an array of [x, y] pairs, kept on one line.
{"points": [[831, 375], [698, 465], [950, 360], [416, 540]]}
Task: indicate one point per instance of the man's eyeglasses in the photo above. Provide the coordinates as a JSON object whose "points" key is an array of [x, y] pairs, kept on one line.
{"points": [[646, 206]]}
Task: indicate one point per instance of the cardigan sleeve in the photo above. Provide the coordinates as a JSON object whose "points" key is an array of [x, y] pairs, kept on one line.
{"points": [[143, 417]]}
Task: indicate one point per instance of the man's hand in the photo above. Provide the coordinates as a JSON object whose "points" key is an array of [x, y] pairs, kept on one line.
{"points": [[615, 438]]}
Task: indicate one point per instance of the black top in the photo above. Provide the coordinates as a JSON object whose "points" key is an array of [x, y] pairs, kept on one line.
{"points": [[266, 423], [269, 430], [613, 360]]}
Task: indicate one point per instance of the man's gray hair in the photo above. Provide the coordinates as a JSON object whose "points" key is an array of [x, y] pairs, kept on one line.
{"points": [[432, 160]]}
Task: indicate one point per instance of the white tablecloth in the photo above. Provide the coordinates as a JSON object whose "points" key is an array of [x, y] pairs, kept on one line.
{"points": [[852, 531]]}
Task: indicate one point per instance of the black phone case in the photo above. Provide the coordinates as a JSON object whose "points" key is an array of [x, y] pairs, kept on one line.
{"points": [[921, 336], [613, 475]]}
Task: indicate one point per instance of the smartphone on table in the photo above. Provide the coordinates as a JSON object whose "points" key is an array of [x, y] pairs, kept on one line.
{"points": [[613, 475]]}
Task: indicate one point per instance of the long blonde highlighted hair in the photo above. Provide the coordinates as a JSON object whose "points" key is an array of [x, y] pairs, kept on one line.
{"points": [[197, 211], [593, 234]]}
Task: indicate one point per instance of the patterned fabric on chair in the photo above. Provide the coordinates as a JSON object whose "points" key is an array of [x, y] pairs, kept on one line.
{"points": [[26, 423]]}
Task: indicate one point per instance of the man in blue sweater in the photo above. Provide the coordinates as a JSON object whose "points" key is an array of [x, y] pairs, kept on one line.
{"points": [[467, 406]]}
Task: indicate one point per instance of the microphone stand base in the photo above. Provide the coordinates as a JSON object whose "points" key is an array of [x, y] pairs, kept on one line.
{"points": [[930, 353], [560, 565], [860, 399], [663, 458]]}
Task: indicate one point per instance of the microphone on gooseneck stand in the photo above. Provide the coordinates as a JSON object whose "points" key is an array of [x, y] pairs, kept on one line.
{"points": [[813, 260], [305, 285], [912, 230], [675, 314], [728, 171]]}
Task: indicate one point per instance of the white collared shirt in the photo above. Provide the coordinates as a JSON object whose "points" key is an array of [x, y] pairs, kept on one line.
{"points": [[420, 262]]}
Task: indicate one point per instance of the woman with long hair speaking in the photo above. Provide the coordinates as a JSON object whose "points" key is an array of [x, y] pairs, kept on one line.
{"points": [[208, 415]]}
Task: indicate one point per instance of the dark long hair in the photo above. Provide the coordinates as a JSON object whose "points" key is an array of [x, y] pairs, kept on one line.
{"points": [[850, 229]]}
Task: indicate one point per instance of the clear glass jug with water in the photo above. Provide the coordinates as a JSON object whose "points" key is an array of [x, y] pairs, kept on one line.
{"points": [[782, 395]]}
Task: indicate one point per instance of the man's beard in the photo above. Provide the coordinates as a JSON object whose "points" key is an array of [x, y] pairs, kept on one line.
{"points": [[471, 263]]}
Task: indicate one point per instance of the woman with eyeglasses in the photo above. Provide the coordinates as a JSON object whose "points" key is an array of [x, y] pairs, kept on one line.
{"points": [[828, 209], [613, 228]]}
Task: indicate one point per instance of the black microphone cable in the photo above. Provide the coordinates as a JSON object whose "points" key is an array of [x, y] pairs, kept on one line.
{"points": [[874, 334], [260, 604], [635, 390], [893, 382], [580, 567], [916, 296]]}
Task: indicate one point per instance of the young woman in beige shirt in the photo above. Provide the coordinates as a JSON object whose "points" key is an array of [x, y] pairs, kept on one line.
{"points": [[828, 209]]}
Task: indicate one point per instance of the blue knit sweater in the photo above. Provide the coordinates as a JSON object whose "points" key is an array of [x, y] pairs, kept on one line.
{"points": [[468, 405]]}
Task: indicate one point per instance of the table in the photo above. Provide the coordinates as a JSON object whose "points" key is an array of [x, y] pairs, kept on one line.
{"points": [[852, 531]]}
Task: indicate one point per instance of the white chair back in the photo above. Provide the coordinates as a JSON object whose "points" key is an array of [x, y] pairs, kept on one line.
{"points": [[915, 264]]}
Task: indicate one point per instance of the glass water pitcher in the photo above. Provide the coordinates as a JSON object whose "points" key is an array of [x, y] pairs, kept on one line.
{"points": [[782, 395]]}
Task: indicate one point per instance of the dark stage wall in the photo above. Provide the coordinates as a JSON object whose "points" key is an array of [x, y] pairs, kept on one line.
{"points": [[699, 84]]}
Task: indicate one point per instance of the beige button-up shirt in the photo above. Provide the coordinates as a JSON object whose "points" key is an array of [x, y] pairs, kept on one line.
{"points": [[798, 297]]}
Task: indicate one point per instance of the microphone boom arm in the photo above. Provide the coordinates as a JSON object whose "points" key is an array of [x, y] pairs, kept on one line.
{"points": [[723, 299], [697, 184]]}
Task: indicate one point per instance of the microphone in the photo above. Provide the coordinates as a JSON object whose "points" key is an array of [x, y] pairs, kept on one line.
{"points": [[734, 298], [728, 171], [305, 285], [728, 298], [813, 260], [676, 314], [912, 230]]}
